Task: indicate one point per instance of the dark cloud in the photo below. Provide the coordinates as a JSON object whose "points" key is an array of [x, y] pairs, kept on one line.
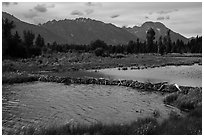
{"points": [[146, 17], [115, 16], [77, 13], [41, 8], [6, 3], [9, 3], [31, 14], [167, 11], [163, 17], [89, 11], [93, 4]]}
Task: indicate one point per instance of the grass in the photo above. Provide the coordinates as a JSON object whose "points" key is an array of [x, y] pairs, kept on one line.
{"points": [[186, 100], [140, 127], [191, 124], [171, 98], [18, 78], [191, 100], [66, 61]]}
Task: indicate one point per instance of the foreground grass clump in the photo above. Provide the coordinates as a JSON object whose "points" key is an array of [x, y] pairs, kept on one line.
{"points": [[139, 127], [19, 79], [187, 100], [188, 125], [191, 124]]}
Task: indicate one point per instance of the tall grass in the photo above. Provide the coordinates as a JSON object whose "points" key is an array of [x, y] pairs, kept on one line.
{"points": [[186, 100], [191, 124], [19, 79]]}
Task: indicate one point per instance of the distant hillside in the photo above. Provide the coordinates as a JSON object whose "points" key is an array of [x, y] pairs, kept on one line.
{"points": [[159, 28], [83, 31], [78, 31], [21, 26]]}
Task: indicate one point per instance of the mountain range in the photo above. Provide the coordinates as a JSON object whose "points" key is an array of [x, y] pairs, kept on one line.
{"points": [[159, 28], [85, 30]]}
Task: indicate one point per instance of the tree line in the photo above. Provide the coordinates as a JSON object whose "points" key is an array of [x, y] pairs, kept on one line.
{"points": [[14, 46]]}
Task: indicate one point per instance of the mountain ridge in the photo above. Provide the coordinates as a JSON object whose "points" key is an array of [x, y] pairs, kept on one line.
{"points": [[159, 28], [86, 30]]}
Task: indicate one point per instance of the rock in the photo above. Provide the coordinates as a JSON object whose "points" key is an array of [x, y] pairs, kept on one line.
{"points": [[124, 68], [169, 88]]}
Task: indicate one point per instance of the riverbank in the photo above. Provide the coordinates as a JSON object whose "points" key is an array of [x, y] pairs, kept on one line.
{"points": [[191, 97], [66, 62], [190, 100], [70, 68]]}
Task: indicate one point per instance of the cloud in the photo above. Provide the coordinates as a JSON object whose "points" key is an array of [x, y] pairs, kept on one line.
{"points": [[167, 11], [51, 6], [9, 3], [6, 3], [150, 13], [146, 17], [163, 17], [31, 14], [93, 4], [41, 8], [89, 11], [115, 16], [77, 13]]}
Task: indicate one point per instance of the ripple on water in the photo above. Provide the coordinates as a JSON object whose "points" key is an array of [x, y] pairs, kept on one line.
{"points": [[45, 104]]}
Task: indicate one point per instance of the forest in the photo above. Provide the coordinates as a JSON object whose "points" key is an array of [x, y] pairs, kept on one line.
{"points": [[13, 46]]}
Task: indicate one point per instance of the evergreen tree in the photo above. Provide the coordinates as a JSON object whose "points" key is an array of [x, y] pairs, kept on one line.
{"points": [[7, 26], [150, 39], [160, 46], [39, 42], [16, 45], [28, 42], [98, 44], [165, 44], [28, 38], [168, 44]]}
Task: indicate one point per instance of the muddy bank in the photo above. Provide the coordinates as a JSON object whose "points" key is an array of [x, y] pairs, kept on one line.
{"points": [[42, 104]]}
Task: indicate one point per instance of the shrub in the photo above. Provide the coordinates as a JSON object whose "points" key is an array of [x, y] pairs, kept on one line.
{"points": [[171, 98], [187, 100], [99, 52], [8, 67]]}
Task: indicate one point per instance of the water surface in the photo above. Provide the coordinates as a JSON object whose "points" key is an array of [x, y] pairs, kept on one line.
{"points": [[184, 75], [47, 104]]}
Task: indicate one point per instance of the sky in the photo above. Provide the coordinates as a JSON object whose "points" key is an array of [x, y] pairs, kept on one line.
{"points": [[182, 17]]}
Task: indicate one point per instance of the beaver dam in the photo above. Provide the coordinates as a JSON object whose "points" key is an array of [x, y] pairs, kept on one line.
{"points": [[42, 101]]}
